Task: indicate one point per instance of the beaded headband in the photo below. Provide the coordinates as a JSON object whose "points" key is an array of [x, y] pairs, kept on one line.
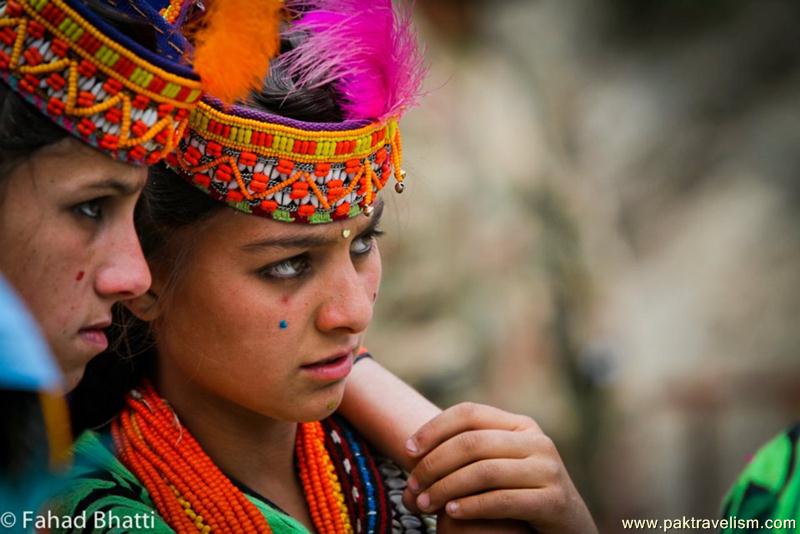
{"points": [[95, 82], [288, 170], [296, 171]]}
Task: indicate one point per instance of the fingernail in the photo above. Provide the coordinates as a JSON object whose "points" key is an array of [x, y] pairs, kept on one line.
{"points": [[424, 501], [411, 446], [413, 485], [452, 507]]}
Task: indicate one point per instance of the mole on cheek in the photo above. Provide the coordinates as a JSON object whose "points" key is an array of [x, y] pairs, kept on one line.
{"points": [[79, 276]]}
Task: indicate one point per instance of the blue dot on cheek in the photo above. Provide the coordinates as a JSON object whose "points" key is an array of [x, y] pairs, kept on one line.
{"points": [[283, 324]]}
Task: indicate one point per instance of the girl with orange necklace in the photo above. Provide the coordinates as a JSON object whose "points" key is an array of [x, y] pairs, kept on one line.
{"points": [[262, 238]]}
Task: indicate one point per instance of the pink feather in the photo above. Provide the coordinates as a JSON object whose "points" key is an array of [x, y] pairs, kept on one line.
{"points": [[366, 48]]}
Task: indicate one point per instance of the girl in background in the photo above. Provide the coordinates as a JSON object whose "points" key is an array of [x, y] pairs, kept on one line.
{"points": [[88, 96]]}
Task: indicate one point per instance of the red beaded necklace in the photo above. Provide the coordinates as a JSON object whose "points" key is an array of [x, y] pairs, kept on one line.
{"points": [[192, 494]]}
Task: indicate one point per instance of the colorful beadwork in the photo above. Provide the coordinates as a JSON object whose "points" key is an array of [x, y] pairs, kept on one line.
{"points": [[283, 324], [285, 169], [320, 483], [79, 74], [192, 494], [172, 10], [347, 488], [374, 485], [352, 465]]}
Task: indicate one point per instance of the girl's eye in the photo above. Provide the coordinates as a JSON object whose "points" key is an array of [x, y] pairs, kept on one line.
{"points": [[361, 245], [91, 209], [364, 244], [291, 268]]}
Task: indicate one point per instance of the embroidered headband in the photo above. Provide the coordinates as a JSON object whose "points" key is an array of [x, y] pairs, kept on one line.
{"points": [[295, 171], [288, 170], [95, 82]]}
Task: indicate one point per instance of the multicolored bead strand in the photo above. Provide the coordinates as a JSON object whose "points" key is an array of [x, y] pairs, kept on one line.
{"points": [[321, 485], [358, 471]]}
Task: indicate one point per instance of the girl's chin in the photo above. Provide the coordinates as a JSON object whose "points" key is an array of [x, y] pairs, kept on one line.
{"points": [[319, 409], [72, 378]]}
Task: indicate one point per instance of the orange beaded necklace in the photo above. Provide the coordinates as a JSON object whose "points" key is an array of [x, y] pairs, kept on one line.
{"points": [[192, 494]]}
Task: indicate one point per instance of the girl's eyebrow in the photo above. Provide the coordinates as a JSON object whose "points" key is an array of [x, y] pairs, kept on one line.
{"points": [[120, 186], [311, 241]]}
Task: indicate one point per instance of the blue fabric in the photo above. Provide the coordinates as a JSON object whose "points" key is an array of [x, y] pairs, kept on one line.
{"points": [[170, 43], [158, 4], [29, 495], [25, 359]]}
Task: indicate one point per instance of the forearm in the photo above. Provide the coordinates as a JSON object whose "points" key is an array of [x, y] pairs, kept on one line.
{"points": [[384, 409]]}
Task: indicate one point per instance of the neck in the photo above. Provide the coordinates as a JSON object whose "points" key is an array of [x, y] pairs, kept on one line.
{"points": [[251, 448]]}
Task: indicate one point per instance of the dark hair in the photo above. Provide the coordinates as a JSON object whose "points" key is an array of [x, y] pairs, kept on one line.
{"points": [[23, 130], [169, 206]]}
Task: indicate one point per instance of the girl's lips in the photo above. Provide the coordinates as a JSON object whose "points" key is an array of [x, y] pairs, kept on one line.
{"points": [[330, 370], [95, 337]]}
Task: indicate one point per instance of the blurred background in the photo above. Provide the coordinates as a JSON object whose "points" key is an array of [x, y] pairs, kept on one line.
{"points": [[602, 231]]}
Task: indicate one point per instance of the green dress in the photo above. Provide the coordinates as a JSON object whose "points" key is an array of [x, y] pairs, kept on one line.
{"points": [[768, 489]]}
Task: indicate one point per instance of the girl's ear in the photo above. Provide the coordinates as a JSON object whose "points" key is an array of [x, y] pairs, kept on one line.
{"points": [[144, 307]]}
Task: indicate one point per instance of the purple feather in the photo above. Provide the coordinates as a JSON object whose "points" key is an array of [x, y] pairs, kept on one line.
{"points": [[367, 49]]}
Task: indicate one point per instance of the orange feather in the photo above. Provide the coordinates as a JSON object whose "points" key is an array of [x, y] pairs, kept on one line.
{"points": [[234, 44]]}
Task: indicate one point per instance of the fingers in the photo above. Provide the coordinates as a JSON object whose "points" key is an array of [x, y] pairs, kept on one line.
{"points": [[479, 462], [461, 418], [527, 504], [466, 448], [487, 475]]}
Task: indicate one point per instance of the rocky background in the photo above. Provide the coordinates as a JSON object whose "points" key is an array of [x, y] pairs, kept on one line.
{"points": [[602, 230]]}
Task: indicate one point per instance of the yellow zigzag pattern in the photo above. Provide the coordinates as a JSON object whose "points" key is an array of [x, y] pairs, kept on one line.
{"points": [[125, 140]]}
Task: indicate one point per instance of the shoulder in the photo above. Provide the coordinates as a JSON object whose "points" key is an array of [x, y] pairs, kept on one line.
{"points": [[104, 493], [770, 481]]}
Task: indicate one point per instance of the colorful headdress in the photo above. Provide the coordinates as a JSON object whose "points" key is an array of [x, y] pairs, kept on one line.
{"points": [[96, 82], [291, 170]]}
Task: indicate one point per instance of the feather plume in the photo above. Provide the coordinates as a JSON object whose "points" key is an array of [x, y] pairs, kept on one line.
{"points": [[234, 42], [364, 47]]}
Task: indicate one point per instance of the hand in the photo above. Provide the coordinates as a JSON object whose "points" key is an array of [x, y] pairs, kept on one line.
{"points": [[478, 462]]}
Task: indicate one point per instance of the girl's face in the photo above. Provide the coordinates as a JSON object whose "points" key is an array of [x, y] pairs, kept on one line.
{"points": [[268, 316], [69, 247]]}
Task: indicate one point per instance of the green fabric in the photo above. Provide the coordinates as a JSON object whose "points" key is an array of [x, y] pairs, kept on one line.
{"points": [[101, 483], [769, 487]]}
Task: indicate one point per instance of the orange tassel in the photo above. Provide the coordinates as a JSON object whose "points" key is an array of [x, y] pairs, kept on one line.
{"points": [[234, 45], [59, 433]]}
